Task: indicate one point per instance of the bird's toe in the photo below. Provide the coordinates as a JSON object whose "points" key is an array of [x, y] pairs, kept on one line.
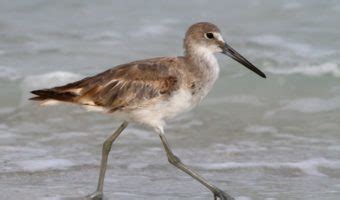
{"points": [[95, 196], [220, 195]]}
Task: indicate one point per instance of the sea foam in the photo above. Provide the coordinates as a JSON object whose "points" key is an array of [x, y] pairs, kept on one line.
{"points": [[243, 198], [235, 99], [309, 70], [309, 167], [146, 30], [299, 49], [41, 165], [50, 79], [7, 73], [313, 105], [260, 129], [33, 82]]}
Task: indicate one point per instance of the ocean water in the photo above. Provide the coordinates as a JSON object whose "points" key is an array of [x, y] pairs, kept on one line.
{"points": [[274, 138]]}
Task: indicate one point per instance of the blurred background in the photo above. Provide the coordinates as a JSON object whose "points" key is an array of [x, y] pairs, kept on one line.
{"points": [[269, 139]]}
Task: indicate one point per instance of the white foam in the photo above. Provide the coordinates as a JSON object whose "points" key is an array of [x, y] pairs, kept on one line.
{"points": [[6, 110], [302, 139], [313, 105], [105, 36], [244, 146], [4, 126], [46, 46], [155, 29], [260, 129], [47, 80], [6, 135], [268, 40], [22, 150], [299, 49], [40, 165], [8, 73], [291, 5], [334, 148], [243, 198], [64, 136], [50, 79], [310, 70], [235, 99], [141, 133], [52, 198], [309, 167]]}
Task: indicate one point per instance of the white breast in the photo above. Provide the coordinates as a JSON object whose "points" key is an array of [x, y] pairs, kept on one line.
{"points": [[155, 113]]}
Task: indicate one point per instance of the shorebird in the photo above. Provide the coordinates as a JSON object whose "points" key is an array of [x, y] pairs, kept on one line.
{"points": [[151, 91]]}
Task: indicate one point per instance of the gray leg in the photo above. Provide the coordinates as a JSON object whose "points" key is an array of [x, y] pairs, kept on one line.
{"points": [[98, 194], [174, 160]]}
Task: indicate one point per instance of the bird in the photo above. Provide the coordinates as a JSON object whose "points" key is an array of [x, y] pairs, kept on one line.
{"points": [[152, 91]]}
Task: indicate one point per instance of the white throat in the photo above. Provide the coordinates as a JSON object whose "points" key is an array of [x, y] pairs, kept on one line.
{"points": [[208, 60]]}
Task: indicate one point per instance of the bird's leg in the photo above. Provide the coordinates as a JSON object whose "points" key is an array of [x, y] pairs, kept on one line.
{"points": [[98, 194], [174, 160]]}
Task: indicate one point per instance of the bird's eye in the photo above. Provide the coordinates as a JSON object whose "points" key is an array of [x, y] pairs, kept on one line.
{"points": [[209, 35]]}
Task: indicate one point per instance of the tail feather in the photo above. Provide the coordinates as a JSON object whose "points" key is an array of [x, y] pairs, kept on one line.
{"points": [[50, 94]]}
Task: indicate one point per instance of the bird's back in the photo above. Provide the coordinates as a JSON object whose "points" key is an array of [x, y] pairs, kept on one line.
{"points": [[123, 87]]}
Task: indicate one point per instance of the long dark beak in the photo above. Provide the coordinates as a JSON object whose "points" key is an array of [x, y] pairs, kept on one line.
{"points": [[227, 50]]}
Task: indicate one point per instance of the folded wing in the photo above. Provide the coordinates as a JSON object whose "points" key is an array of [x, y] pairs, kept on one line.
{"points": [[122, 87]]}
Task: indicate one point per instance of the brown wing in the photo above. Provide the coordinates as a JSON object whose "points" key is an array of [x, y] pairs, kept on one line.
{"points": [[121, 87]]}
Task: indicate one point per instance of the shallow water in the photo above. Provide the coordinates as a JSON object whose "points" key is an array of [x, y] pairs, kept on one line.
{"points": [[258, 139]]}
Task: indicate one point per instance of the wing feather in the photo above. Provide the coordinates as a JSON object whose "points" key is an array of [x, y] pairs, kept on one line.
{"points": [[125, 86]]}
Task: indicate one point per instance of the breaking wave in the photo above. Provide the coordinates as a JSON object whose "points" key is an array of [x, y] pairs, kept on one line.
{"points": [[313, 105], [299, 49], [309, 167], [52, 79], [311, 70], [7, 73]]}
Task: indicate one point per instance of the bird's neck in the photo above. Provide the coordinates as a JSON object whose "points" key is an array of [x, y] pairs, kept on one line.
{"points": [[205, 69], [203, 60]]}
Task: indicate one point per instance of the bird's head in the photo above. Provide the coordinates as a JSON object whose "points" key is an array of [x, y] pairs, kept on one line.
{"points": [[206, 37]]}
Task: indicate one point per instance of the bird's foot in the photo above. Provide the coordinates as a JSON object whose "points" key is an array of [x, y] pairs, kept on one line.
{"points": [[95, 196], [219, 194]]}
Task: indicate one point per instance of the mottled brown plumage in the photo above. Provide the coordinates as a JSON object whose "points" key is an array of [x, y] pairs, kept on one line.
{"points": [[153, 90], [123, 87]]}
